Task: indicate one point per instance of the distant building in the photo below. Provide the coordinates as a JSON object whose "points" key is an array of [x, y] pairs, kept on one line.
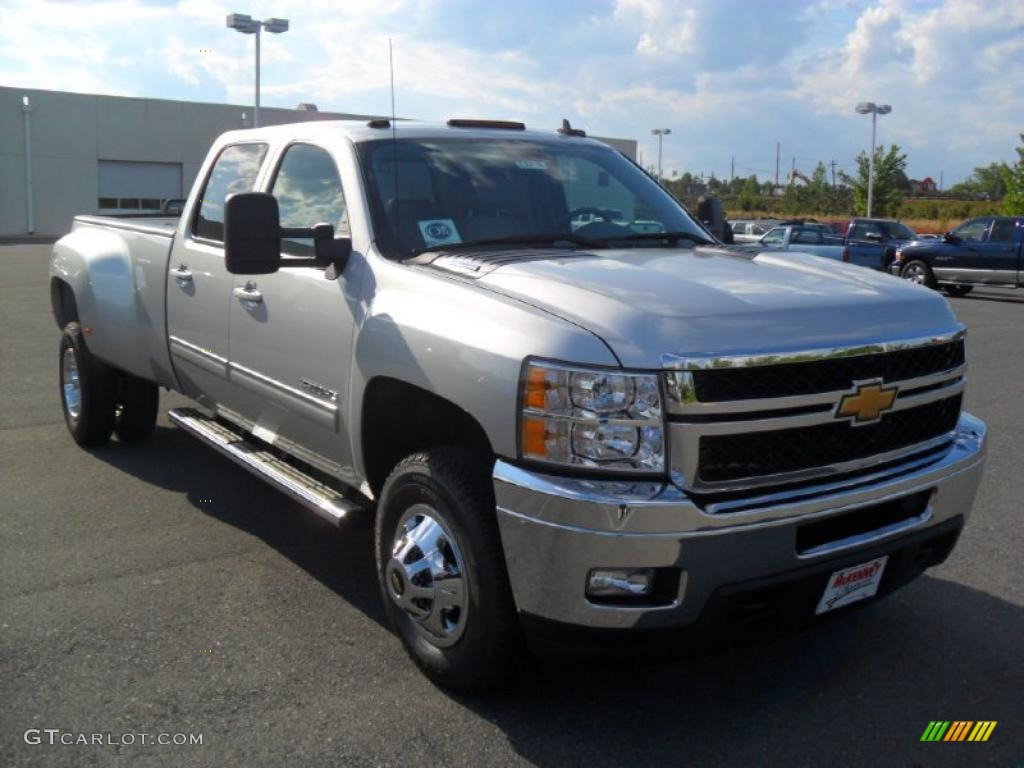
{"points": [[925, 186], [113, 154]]}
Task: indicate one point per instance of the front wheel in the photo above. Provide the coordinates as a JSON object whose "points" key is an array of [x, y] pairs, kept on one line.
{"points": [[918, 272], [442, 570], [957, 291]]}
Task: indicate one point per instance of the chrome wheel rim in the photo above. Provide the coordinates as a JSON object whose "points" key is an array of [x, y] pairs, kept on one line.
{"points": [[425, 576], [71, 384], [915, 274]]}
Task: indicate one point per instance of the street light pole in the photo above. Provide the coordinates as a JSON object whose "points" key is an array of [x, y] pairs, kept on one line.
{"points": [[247, 25], [864, 108], [256, 109], [660, 133]]}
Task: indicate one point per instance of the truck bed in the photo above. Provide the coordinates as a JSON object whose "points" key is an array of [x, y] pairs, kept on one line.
{"points": [[124, 301], [148, 223]]}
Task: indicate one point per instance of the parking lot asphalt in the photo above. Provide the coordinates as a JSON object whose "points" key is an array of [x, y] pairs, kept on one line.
{"points": [[161, 589]]}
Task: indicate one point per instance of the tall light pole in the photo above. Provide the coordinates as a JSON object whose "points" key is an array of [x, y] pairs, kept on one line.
{"points": [[247, 25], [870, 108], [661, 133]]}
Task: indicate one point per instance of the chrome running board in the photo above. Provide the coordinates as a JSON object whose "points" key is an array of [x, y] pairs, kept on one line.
{"points": [[325, 501]]}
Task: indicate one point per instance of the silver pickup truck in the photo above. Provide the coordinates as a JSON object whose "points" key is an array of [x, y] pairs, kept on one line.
{"points": [[560, 418]]}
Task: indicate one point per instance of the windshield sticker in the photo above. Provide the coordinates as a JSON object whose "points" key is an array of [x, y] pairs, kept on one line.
{"points": [[532, 165], [439, 232]]}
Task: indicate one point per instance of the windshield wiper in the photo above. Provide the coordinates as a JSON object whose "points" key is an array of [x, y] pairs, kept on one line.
{"points": [[658, 236], [540, 239]]}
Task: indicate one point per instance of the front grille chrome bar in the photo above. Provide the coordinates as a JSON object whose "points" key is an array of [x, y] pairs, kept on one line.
{"points": [[702, 362]]}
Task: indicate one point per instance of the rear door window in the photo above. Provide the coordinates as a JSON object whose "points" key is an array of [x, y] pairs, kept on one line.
{"points": [[235, 170]]}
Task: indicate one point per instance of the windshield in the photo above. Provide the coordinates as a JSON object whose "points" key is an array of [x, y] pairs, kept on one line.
{"points": [[430, 193], [898, 231]]}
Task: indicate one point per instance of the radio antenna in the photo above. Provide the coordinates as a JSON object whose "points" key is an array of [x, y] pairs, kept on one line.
{"points": [[394, 138]]}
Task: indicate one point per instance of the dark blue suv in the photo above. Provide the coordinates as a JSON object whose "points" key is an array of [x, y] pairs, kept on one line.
{"points": [[985, 251]]}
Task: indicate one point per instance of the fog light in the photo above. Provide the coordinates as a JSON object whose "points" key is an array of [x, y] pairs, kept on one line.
{"points": [[620, 582]]}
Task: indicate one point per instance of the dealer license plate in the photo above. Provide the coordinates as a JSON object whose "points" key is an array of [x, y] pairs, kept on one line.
{"points": [[852, 584]]}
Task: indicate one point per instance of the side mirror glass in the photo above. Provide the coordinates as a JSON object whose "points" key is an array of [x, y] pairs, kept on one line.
{"points": [[872, 236], [252, 234], [949, 237]]}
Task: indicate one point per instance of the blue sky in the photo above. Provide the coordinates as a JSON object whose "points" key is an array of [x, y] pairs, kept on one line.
{"points": [[729, 77]]}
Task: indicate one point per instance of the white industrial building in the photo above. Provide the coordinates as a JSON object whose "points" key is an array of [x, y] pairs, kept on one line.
{"points": [[71, 153]]}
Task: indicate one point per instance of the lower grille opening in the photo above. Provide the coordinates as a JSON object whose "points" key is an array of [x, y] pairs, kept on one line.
{"points": [[857, 522]]}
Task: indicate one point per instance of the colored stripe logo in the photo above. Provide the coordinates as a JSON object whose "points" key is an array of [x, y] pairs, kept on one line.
{"points": [[958, 730]]}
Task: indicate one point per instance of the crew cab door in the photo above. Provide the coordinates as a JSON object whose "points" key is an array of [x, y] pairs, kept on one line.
{"points": [[291, 331], [999, 253], [199, 285], [962, 258]]}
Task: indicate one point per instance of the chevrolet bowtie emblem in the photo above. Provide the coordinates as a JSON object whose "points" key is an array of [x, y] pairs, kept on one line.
{"points": [[868, 401]]}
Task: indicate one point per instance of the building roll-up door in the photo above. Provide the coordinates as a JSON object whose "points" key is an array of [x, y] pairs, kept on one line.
{"points": [[135, 186]]}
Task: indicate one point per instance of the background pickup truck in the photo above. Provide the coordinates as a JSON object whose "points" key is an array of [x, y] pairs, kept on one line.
{"points": [[873, 242], [799, 238], [561, 404], [984, 251]]}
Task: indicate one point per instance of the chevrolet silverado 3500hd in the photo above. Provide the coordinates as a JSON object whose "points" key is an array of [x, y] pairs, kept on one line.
{"points": [[557, 417]]}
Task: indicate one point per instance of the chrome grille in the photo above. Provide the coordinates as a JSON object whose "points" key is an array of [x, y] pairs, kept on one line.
{"points": [[772, 419]]}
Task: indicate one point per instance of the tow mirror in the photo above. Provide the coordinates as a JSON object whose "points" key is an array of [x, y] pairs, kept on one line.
{"points": [[253, 234], [872, 236]]}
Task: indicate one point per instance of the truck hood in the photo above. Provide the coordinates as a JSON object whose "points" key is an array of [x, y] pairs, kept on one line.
{"points": [[646, 303]]}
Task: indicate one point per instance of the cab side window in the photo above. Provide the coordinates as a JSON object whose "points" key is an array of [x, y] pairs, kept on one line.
{"points": [[807, 237], [308, 192], [862, 229], [973, 231], [1003, 231], [235, 170], [774, 237]]}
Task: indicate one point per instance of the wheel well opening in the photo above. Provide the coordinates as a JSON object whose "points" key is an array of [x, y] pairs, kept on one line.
{"points": [[400, 419], [62, 301]]}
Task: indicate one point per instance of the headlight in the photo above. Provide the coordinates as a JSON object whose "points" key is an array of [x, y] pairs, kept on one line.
{"points": [[592, 418]]}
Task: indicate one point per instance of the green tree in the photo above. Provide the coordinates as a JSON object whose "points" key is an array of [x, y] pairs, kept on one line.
{"points": [[890, 174], [985, 182], [1013, 179]]}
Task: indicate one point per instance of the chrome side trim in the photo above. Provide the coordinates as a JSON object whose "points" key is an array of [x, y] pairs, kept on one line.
{"points": [[280, 386], [314, 495], [697, 362], [201, 351]]}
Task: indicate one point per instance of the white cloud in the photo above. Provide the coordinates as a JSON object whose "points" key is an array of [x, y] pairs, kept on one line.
{"points": [[731, 77], [954, 74]]}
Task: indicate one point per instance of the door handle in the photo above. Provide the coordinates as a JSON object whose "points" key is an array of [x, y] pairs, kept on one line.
{"points": [[182, 273], [248, 293]]}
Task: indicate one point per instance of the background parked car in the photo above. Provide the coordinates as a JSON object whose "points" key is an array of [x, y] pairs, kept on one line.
{"points": [[873, 242], [799, 238], [983, 251], [751, 230]]}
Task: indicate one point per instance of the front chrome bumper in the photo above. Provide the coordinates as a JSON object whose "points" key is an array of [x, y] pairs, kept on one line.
{"points": [[555, 530]]}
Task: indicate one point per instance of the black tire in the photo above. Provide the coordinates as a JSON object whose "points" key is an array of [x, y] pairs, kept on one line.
{"points": [[137, 404], [91, 420], [919, 272], [455, 484], [957, 290]]}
